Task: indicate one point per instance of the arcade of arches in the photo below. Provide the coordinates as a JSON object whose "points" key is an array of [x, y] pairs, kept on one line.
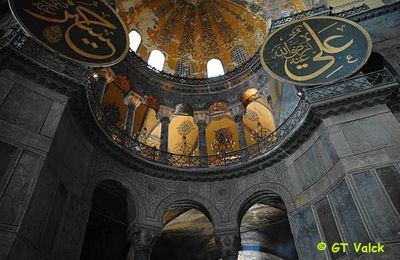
{"points": [[188, 149]]}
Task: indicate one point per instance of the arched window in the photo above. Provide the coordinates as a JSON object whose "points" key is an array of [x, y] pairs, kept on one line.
{"points": [[156, 60], [183, 68], [238, 55], [134, 40], [214, 68]]}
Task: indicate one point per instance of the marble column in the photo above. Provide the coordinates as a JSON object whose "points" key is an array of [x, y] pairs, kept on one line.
{"points": [[241, 135], [202, 140], [164, 134], [129, 119], [228, 244], [100, 88], [143, 240]]}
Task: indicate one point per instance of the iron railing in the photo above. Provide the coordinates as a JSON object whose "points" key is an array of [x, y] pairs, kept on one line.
{"points": [[352, 85], [44, 58], [20, 42]]}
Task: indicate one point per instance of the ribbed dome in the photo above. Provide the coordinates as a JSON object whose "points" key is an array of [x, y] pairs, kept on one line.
{"points": [[191, 32]]}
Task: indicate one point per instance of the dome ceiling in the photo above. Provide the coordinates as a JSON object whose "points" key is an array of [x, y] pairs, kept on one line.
{"points": [[195, 31]]}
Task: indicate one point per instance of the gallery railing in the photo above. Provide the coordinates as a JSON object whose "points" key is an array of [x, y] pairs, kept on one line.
{"points": [[356, 84], [311, 96], [18, 41]]}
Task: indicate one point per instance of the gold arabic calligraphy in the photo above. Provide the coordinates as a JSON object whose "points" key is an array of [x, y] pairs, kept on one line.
{"points": [[81, 21], [305, 46]]}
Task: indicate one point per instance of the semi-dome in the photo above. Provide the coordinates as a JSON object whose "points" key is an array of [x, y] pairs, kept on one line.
{"points": [[196, 35]]}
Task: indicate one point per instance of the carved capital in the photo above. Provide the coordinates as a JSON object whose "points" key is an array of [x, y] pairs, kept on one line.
{"points": [[201, 118], [143, 239], [164, 114], [228, 243], [132, 99], [238, 110]]}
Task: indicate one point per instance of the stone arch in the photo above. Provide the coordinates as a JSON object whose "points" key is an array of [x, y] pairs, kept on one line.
{"points": [[134, 198], [261, 215], [255, 193], [197, 201]]}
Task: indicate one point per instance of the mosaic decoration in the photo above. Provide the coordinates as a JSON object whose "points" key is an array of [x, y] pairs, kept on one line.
{"points": [[251, 115], [164, 9], [187, 41], [195, 31], [218, 107], [185, 128], [167, 32], [223, 141], [87, 32], [223, 27], [249, 27], [210, 43]]}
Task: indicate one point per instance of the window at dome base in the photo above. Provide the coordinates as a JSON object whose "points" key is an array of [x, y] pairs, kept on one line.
{"points": [[214, 68], [156, 60], [134, 40]]}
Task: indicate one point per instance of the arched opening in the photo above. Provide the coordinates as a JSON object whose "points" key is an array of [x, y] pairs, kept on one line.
{"points": [[375, 62], [134, 40], [188, 233], [156, 60], [265, 230], [105, 236], [214, 68]]}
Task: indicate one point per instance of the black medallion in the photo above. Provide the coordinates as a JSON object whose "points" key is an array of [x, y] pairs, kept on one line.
{"points": [[316, 50], [89, 32]]}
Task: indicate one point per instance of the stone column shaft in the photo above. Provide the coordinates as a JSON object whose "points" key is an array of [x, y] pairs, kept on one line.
{"points": [[241, 135], [228, 244], [100, 88], [164, 134], [129, 119], [202, 140]]}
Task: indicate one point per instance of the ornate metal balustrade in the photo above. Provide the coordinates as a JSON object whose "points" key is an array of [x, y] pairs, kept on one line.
{"points": [[313, 96], [21, 43], [357, 84]]}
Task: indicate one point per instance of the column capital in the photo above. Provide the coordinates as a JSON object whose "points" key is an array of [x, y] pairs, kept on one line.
{"points": [[164, 114], [143, 238], [201, 118], [237, 110], [228, 242], [108, 74], [132, 99]]}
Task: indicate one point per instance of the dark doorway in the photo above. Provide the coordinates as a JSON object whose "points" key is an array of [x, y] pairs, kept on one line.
{"points": [[106, 237]]}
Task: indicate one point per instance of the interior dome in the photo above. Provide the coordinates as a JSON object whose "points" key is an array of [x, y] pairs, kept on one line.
{"points": [[190, 33]]}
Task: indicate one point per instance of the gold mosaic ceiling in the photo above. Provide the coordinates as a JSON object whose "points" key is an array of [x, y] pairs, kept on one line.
{"points": [[195, 31]]}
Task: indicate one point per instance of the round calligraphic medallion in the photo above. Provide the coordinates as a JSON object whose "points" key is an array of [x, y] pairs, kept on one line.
{"points": [[316, 51], [88, 32]]}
